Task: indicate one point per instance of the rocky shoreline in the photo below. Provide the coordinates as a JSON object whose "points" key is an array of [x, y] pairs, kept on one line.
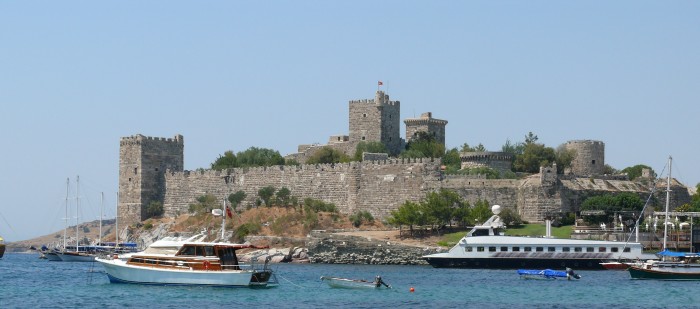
{"points": [[332, 248]]}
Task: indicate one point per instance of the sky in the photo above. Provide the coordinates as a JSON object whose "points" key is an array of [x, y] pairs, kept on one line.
{"points": [[76, 76]]}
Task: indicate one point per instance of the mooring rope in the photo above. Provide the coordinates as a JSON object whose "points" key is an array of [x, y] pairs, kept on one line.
{"points": [[290, 282]]}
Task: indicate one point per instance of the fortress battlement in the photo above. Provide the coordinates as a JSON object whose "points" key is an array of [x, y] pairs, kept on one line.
{"points": [[138, 138]]}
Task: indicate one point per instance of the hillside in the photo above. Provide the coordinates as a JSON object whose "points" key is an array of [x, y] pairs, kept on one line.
{"points": [[264, 221]]}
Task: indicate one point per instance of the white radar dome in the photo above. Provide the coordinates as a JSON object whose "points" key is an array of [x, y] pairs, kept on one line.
{"points": [[496, 209]]}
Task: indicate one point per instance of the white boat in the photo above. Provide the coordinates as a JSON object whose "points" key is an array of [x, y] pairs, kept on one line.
{"points": [[195, 263], [345, 283], [485, 246]]}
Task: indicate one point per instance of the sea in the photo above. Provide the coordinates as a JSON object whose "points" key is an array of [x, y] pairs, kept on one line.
{"points": [[29, 282]]}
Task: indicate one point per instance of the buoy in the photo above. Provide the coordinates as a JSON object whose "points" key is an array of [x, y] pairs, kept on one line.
{"points": [[412, 289]]}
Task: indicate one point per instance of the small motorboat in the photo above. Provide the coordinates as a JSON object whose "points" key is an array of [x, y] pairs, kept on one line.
{"points": [[547, 274], [335, 282]]}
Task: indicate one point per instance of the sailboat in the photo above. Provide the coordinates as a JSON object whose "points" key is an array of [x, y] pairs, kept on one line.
{"points": [[671, 265]]}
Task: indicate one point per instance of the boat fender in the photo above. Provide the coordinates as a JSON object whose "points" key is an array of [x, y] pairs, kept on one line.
{"points": [[206, 265]]}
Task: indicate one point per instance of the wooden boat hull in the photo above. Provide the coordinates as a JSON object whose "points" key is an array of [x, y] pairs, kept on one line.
{"points": [[514, 263], [665, 273], [615, 266], [52, 256], [119, 271]]}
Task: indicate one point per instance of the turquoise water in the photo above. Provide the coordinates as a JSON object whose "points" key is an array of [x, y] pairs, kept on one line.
{"points": [[28, 282]]}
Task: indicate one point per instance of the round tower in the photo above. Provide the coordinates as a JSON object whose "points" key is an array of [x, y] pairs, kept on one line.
{"points": [[589, 159]]}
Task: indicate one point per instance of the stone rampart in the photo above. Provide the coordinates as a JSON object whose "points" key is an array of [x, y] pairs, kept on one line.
{"points": [[382, 185]]}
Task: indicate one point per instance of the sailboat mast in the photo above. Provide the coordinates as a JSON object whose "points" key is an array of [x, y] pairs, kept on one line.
{"points": [[668, 200], [102, 205], [65, 228], [116, 223], [77, 211]]}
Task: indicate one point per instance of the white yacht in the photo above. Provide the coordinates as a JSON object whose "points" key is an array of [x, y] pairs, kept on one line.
{"points": [[486, 246]]}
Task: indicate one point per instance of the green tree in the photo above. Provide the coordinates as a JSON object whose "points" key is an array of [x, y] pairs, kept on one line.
{"points": [[462, 213], [510, 217], [514, 149], [266, 194], [283, 196], [452, 161], [327, 155], [254, 156], [236, 198], [154, 209], [205, 203], [564, 157], [633, 172], [480, 212], [410, 214], [610, 203], [439, 206], [534, 155], [228, 160], [423, 145], [371, 147]]}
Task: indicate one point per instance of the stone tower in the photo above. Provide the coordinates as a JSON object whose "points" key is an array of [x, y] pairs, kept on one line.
{"points": [[426, 123], [142, 164], [589, 159], [376, 120]]}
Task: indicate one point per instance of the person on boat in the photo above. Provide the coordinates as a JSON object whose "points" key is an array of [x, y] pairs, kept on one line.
{"points": [[377, 281]]}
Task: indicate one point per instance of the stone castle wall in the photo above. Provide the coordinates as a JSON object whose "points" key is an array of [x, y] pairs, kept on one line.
{"points": [[377, 186]]}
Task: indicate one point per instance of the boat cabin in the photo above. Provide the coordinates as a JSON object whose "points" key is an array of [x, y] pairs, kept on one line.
{"points": [[195, 256]]}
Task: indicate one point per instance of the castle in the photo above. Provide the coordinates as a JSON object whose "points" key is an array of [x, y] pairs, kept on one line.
{"points": [[151, 169]]}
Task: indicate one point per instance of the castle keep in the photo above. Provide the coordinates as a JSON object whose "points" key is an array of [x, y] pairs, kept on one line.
{"points": [[151, 169]]}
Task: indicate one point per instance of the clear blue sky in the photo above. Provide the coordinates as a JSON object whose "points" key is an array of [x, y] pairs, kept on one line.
{"points": [[76, 76]]}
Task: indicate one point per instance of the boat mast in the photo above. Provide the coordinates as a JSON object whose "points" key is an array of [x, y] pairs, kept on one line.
{"points": [[116, 224], [668, 200], [102, 205], [223, 221], [77, 211], [65, 228]]}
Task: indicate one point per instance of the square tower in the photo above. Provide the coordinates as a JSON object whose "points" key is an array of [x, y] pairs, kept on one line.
{"points": [[376, 120], [142, 164]]}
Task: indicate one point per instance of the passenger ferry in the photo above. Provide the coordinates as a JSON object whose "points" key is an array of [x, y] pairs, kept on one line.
{"points": [[486, 246]]}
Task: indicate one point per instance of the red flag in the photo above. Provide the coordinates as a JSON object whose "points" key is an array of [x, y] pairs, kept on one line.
{"points": [[380, 83], [228, 212]]}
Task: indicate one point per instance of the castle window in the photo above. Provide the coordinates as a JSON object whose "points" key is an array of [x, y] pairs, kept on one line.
{"points": [[136, 169], [364, 115], [593, 162], [363, 138], [156, 169]]}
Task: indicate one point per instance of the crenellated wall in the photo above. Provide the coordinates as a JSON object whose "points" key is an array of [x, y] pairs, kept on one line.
{"points": [[376, 186]]}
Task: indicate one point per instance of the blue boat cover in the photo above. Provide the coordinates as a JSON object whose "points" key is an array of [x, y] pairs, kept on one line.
{"points": [[547, 273], [676, 254]]}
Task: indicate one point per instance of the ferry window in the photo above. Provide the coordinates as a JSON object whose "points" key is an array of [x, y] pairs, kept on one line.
{"points": [[515, 249], [527, 249], [480, 249], [578, 249], [504, 249], [539, 249], [626, 250], [590, 249], [468, 249], [551, 249], [602, 249], [614, 249], [566, 249], [492, 249]]}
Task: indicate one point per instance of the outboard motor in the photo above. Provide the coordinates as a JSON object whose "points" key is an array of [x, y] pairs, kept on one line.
{"points": [[571, 274]]}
